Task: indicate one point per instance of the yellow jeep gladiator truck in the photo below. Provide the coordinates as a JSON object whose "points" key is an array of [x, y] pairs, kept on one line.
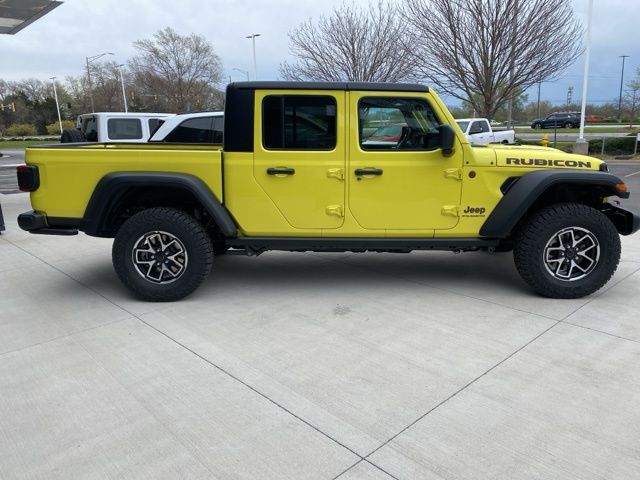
{"points": [[311, 167]]}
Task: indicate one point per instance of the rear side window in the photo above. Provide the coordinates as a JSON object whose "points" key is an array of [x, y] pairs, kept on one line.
{"points": [[90, 129], [198, 130], [124, 128], [299, 122]]}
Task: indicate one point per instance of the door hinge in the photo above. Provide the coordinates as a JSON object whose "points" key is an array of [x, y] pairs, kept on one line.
{"points": [[336, 173], [451, 210], [455, 173], [336, 210]]}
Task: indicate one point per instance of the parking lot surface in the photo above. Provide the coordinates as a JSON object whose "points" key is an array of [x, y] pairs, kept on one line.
{"points": [[312, 366]]}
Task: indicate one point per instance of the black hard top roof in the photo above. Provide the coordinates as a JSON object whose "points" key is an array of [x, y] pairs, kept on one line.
{"points": [[368, 86]]}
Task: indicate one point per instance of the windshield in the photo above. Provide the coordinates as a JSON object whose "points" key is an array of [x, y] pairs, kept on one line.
{"points": [[463, 125]]}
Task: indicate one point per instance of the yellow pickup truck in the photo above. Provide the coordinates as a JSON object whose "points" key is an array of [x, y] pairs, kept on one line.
{"points": [[311, 167]]}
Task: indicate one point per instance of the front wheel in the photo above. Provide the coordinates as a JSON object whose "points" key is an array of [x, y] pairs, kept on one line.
{"points": [[569, 125], [162, 254], [537, 126], [567, 250]]}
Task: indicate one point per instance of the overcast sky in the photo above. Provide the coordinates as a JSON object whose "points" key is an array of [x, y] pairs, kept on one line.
{"points": [[58, 43]]}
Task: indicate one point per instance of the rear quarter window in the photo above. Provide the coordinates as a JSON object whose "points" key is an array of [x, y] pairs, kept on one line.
{"points": [[124, 128]]}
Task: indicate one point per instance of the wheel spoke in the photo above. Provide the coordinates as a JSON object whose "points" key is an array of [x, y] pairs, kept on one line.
{"points": [[159, 257], [571, 253]]}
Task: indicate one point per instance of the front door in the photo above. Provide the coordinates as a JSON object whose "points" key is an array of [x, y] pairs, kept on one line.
{"points": [[299, 155], [402, 181]]}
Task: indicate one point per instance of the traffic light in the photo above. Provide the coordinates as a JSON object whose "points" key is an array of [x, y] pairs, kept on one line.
{"points": [[10, 106]]}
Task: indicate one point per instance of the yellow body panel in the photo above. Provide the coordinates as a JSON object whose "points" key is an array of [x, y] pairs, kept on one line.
{"points": [[68, 176]]}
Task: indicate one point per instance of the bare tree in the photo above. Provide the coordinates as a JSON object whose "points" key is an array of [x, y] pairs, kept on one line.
{"points": [[351, 44], [178, 72], [632, 96], [485, 51]]}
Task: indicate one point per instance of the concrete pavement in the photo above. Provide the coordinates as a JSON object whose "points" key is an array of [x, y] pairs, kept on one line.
{"points": [[291, 366]]}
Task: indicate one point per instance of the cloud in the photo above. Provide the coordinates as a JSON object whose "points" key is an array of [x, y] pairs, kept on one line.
{"points": [[58, 43]]}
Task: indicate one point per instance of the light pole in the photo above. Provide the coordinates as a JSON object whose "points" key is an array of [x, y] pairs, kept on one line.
{"points": [[621, 80], [89, 60], [242, 71], [124, 95], [253, 40], [582, 146], [55, 95]]}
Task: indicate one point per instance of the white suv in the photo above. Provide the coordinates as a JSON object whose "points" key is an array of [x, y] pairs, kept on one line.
{"points": [[202, 127]]}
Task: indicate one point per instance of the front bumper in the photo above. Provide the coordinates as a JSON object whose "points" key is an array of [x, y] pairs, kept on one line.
{"points": [[625, 221], [34, 222]]}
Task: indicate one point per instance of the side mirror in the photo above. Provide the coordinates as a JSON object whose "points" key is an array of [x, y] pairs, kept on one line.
{"points": [[447, 138]]}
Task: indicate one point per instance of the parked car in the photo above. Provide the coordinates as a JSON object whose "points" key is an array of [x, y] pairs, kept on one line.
{"points": [[201, 127], [558, 120], [385, 135], [480, 132], [593, 119], [114, 127]]}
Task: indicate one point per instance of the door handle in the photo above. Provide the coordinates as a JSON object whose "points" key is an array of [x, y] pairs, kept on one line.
{"points": [[367, 171], [280, 171]]}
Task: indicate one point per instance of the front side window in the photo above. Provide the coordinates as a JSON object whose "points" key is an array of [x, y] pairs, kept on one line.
{"points": [[388, 123], [299, 122], [154, 125], [463, 125], [197, 130], [124, 128]]}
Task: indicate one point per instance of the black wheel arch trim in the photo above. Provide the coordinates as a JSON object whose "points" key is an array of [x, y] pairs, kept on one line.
{"points": [[110, 188], [522, 194]]}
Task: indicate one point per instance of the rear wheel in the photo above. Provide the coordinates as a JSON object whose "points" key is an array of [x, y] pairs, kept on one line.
{"points": [[567, 250], [568, 125], [162, 254]]}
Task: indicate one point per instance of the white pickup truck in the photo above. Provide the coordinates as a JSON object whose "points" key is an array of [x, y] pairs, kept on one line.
{"points": [[133, 127], [479, 132]]}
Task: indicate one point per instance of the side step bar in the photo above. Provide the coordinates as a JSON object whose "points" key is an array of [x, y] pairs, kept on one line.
{"points": [[257, 245]]}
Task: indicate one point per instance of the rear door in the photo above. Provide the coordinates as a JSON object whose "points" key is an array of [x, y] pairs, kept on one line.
{"points": [[299, 155]]}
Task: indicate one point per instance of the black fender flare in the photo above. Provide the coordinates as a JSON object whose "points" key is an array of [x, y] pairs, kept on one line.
{"points": [[527, 189], [111, 187]]}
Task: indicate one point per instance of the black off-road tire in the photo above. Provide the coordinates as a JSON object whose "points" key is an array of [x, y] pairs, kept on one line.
{"points": [[72, 135], [534, 234], [186, 229]]}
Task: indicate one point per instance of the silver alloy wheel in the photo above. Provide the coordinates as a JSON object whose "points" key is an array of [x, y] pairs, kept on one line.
{"points": [[159, 257], [571, 254]]}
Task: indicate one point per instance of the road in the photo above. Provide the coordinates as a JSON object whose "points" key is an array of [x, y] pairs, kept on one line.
{"points": [[567, 137], [10, 158]]}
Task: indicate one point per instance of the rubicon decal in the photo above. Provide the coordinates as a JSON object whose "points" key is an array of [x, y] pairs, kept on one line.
{"points": [[542, 162]]}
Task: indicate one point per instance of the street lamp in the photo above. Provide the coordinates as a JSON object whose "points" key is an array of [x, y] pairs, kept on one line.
{"points": [[621, 80], [582, 146], [89, 60], [55, 95], [124, 95], [253, 40], [242, 71]]}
